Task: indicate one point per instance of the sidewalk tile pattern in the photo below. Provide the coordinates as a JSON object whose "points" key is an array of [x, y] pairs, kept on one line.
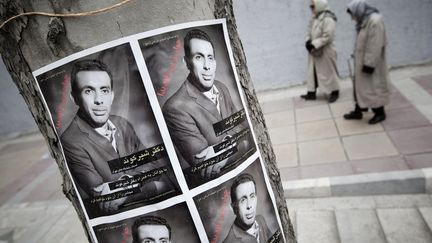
{"points": [[321, 151], [353, 223], [404, 225], [315, 227], [391, 218], [324, 144], [310, 138]]}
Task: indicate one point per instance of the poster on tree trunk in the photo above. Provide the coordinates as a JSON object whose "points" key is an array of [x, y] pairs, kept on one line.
{"points": [[157, 139]]}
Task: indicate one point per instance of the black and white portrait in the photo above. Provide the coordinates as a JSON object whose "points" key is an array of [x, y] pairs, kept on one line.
{"points": [[157, 226], [240, 210], [193, 79], [110, 139]]}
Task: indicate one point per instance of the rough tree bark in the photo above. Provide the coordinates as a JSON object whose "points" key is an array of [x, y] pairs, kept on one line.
{"points": [[29, 43]]}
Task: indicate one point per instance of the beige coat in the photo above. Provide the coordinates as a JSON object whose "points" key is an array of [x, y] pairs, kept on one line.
{"points": [[322, 34], [371, 90]]}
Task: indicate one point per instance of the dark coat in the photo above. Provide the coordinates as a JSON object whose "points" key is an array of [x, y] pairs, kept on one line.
{"points": [[237, 235], [87, 152], [190, 117]]}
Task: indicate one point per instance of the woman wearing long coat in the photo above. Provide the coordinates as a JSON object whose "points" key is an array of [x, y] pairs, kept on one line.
{"points": [[322, 69], [371, 75]]}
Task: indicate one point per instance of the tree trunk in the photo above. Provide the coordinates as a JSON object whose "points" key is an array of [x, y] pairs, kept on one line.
{"points": [[29, 43]]}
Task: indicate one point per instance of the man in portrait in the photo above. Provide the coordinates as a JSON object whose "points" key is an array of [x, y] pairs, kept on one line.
{"points": [[95, 137], [248, 227], [199, 103], [151, 229]]}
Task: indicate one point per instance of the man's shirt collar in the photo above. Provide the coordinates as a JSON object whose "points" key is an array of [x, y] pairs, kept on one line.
{"points": [[108, 132]]}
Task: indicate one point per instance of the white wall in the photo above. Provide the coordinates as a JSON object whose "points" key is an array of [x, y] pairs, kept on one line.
{"points": [[273, 36]]}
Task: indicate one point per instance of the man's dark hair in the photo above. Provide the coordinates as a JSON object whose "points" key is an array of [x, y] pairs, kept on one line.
{"points": [[87, 65], [195, 34], [148, 220], [240, 180]]}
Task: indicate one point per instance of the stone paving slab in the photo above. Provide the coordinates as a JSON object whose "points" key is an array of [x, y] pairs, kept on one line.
{"points": [[347, 128], [31, 221], [276, 105], [319, 227], [425, 81], [363, 219], [280, 119], [426, 110], [313, 113], [404, 118], [398, 101], [321, 151], [368, 146], [67, 229], [282, 135], [412, 91], [316, 130], [427, 216], [326, 170], [340, 108], [404, 225], [17, 162], [413, 140], [359, 226], [382, 164], [16, 183], [418, 161], [47, 188], [287, 153], [289, 173]]}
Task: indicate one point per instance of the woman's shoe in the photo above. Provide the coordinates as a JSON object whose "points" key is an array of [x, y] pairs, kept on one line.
{"points": [[377, 118], [333, 96], [309, 96], [353, 115], [379, 115]]}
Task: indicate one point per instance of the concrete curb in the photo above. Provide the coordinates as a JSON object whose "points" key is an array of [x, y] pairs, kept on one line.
{"points": [[395, 182]]}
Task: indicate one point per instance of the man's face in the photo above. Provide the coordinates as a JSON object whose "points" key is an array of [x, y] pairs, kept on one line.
{"points": [[246, 202], [153, 234], [201, 63], [94, 96]]}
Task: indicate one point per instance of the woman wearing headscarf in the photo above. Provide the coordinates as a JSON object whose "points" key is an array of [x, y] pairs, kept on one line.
{"points": [[371, 75], [322, 69]]}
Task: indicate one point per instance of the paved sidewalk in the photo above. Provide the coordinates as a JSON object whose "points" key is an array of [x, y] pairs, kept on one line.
{"points": [[377, 219], [33, 207], [312, 140]]}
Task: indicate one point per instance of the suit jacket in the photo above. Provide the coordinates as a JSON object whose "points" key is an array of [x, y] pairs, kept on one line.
{"points": [[190, 117], [87, 152], [237, 235]]}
